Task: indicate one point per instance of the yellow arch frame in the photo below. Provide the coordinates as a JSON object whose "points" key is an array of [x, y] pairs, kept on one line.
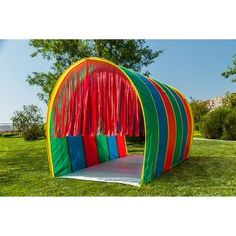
{"points": [[53, 96]]}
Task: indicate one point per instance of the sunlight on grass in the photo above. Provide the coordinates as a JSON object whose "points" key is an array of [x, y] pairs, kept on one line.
{"points": [[210, 171], [197, 134]]}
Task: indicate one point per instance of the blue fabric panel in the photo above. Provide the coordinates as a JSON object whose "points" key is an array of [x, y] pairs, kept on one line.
{"points": [[113, 149], [163, 125], [76, 152], [185, 125]]}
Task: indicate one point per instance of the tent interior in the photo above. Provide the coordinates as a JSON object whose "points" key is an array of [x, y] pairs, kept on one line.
{"points": [[123, 170], [114, 164], [96, 107]]}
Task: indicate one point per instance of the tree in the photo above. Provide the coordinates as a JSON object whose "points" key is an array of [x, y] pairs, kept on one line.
{"points": [[231, 72], [229, 101], [219, 124], [213, 124], [199, 109], [133, 54], [230, 126], [29, 122]]}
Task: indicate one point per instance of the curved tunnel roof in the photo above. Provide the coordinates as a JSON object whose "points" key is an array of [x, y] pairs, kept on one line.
{"points": [[165, 112]]}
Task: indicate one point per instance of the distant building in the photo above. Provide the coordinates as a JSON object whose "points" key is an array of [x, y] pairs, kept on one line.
{"points": [[6, 127], [216, 102]]}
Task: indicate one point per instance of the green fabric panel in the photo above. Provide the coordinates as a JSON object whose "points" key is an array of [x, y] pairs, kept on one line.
{"points": [[60, 153], [103, 150], [151, 129], [179, 123]]}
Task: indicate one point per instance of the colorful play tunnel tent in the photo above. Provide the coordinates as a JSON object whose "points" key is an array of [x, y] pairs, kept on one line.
{"points": [[95, 105]]}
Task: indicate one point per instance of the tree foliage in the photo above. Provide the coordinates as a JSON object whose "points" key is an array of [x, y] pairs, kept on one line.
{"points": [[230, 126], [229, 101], [29, 122], [219, 124], [211, 125], [133, 54], [231, 71], [199, 109]]}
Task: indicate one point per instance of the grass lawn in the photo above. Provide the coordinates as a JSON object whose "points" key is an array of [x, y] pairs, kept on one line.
{"points": [[197, 134], [211, 171]]}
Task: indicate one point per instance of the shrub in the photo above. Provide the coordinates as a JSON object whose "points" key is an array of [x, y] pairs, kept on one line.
{"points": [[8, 134], [29, 122], [229, 100], [42, 132], [32, 133], [230, 126], [212, 125], [197, 134], [199, 110], [219, 124]]}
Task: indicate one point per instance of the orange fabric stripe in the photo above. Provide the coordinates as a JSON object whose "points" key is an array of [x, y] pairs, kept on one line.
{"points": [[171, 126], [190, 125]]}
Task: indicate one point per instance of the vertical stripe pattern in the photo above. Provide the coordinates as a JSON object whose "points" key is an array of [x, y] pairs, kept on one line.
{"points": [[96, 103], [113, 149]]}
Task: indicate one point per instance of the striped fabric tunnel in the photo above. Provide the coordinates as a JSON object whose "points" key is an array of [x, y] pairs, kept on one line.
{"points": [[95, 104], [88, 150]]}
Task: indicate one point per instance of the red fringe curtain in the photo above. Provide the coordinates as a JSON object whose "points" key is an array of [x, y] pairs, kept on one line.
{"points": [[96, 98]]}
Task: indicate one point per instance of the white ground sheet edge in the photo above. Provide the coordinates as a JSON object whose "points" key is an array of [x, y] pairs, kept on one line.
{"points": [[115, 171]]}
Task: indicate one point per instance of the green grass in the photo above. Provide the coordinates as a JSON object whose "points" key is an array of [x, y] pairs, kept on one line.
{"points": [[197, 134], [211, 171]]}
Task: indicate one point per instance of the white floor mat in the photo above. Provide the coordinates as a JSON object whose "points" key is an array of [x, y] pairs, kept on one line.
{"points": [[123, 170]]}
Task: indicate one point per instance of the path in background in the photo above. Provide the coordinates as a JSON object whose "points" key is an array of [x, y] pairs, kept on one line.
{"points": [[217, 140]]}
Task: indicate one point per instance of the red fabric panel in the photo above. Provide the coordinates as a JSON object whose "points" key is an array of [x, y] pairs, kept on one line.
{"points": [[171, 125], [71, 108], [97, 97], [137, 117], [76, 126], [99, 102], [86, 106], [104, 104], [121, 143], [91, 150], [108, 101], [64, 113], [111, 99], [57, 122], [115, 97], [124, 114], [130, 113], [94, 124], [117, 104]]}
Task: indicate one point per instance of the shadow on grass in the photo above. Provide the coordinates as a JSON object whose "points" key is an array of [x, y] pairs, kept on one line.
{"points": [[24, 172], [198, 176], [17, 160]]}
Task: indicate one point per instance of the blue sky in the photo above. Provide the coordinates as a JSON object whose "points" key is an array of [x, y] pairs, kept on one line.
{"points": [[193, 66]]}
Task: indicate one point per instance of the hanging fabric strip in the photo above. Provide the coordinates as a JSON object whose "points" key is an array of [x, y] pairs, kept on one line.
{"points": [[95, 98]]}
